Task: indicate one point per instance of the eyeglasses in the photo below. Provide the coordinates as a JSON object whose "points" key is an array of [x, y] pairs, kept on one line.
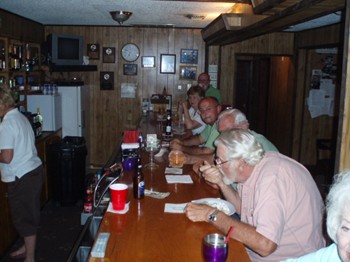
{"points": [[218, 162]]}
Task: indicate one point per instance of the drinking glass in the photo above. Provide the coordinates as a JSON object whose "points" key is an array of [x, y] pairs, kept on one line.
{"points": [[153, 148], [214, 248]]}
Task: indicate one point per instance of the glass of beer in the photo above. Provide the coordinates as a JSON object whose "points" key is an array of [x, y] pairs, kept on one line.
{"points": [[176, 158]]}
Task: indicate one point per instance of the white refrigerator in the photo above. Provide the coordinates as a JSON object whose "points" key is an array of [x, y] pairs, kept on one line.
{"points": [[50, 109], [75, 113]]}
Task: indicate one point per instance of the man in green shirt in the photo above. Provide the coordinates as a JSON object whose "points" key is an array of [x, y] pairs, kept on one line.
{"points": [[202, 145], [204, 83]]}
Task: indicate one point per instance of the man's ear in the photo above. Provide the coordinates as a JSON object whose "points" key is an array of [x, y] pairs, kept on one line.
{"points": [[241, 164], [218, 109]]}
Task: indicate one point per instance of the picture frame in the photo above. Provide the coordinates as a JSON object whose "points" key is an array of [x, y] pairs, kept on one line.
{"points": [[189, 56], [108, 55], [106, 80], [148, 61], [167, 63], [188, 72], [130, 69], [93, 51]]}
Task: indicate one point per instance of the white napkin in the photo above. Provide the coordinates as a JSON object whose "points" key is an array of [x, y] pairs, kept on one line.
{"points": [[174, 208], [182, 179], [173, 170], [110, 209]]}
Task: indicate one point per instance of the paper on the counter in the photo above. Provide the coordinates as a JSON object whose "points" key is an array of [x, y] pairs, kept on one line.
{"points": [[181, 179], [174, 208], [173, 170], [110, 209]]}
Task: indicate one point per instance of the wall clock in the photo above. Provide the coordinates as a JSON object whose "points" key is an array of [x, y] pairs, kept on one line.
{"points": [[130, 52]]}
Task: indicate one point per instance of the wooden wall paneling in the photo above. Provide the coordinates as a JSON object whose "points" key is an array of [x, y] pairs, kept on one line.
{"points": [[280, 103], [342, 162], [149, 75], [314, 128], [299, 101], [110, 113], [319, 37], [17, 27]]}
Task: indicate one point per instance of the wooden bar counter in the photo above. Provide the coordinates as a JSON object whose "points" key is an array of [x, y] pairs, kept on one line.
{"points": [[147, 233]]}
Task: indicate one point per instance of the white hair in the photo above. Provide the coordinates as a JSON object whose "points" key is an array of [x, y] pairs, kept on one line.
{"points": [[337, 202], [241, 144], [236, 114]]}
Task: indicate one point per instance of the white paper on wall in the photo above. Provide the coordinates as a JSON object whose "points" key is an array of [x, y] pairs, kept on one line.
{"points": [[128, 90]]}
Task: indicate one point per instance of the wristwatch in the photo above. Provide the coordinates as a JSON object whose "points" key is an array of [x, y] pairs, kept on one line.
{"points": [[212, 216]]}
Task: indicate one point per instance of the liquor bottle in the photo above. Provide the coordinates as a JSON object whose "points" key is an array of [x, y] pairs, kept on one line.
{"points": [[139, 181], [168, 123]]}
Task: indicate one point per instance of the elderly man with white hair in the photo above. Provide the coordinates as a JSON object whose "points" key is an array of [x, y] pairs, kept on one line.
{"points": [[278, 201]]}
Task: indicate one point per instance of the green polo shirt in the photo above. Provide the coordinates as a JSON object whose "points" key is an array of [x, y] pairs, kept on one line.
{"points": [[214, 92]]}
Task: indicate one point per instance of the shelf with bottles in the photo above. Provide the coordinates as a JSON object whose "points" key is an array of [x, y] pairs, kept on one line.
{"points": [[3, 55]]}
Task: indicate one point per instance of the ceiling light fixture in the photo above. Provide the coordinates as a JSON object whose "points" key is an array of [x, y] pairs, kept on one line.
{"points": [[120, 16], [195, 17]]}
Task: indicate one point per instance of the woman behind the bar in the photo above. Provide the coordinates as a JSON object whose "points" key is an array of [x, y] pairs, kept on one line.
{"points": [[338, 224], [22, 170]]}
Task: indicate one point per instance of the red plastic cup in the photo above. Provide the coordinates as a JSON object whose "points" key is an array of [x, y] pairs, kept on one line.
{"points": [[118, 195]]}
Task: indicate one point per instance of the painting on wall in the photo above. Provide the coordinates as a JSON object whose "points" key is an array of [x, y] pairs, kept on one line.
{"points": [[189, 56], [188, 72]]}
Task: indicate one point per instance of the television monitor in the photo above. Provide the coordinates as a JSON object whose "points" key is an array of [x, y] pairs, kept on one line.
{"points": [[65, 49]]}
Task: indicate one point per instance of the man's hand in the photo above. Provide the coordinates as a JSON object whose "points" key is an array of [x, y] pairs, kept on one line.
{"points": [[211, 174], [176, 144], [198, 212]]}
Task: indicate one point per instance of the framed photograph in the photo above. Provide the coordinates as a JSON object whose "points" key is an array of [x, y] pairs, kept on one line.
{"points": [[148, 61], [189, 56], [108, 55], [93, 51], [106, 80], [188, 72], [167, 64], [130, 69]]}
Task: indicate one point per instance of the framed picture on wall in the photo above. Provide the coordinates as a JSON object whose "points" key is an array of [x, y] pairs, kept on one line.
{"points": [[188, 72], [108, 55], [93, 51], [148, 61], [130, 69], [189, 56], [167, 64]]}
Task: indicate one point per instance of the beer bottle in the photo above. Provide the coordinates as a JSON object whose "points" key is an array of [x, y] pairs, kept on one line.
{"points": [[168, 123], [139, 181]]}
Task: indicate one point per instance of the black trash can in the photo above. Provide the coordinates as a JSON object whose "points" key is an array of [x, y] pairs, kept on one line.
{"points": [[66, 170]]}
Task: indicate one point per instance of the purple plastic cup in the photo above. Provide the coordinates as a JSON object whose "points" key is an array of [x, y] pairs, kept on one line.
{"points": [[214, 248], [129, 163]]}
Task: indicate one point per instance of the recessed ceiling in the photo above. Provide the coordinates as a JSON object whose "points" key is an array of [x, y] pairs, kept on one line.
{"points": [[92, 12], [145, 13]]}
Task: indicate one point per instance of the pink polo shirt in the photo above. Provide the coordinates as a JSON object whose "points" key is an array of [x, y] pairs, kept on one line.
{"points": [[282, 201]]}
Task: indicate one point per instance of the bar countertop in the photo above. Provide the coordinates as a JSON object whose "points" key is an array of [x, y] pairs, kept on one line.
{"points": [[147, 233]]}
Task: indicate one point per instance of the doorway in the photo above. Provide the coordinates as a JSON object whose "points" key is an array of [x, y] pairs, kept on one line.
{"points": [[264, 93]]}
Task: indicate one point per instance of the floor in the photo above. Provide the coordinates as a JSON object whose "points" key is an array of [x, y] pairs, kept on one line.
{"points": [[60, 227]]}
